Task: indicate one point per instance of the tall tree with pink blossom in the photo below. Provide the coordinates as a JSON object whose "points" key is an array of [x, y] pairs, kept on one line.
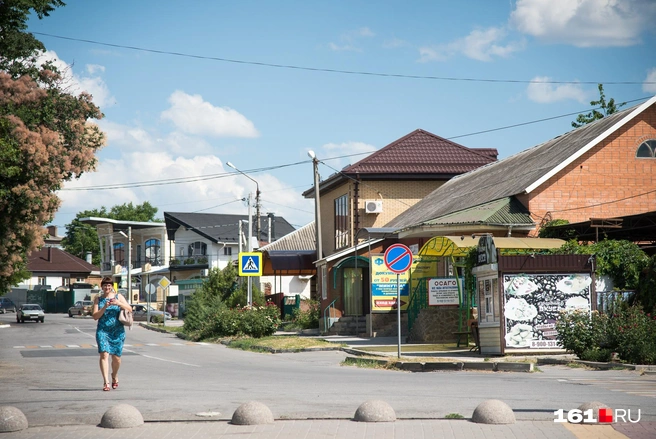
{"points": [[47, 137]]}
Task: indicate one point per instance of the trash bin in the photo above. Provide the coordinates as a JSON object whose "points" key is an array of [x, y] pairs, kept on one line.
{"points": [[290, 303]]}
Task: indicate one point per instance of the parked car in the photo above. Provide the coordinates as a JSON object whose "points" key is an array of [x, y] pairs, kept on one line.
{"points": [[6, 305], [81, 308], [30, 311], [140, 313]]}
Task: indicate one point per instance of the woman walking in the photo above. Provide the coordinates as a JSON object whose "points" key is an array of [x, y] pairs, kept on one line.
{"points": [[110, 332]]}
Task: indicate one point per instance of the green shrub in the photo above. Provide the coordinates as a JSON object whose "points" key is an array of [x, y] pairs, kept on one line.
{"points": [[632, 332], [308, 318], [583, 333]]}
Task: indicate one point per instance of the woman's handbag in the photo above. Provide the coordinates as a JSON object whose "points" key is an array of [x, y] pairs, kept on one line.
{"points": [[125, 317]]}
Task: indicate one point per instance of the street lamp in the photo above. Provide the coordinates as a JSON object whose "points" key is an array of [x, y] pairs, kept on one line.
{"points": [[257, 202], [317, 215]]}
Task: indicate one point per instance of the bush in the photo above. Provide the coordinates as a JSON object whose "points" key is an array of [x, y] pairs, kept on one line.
{"points": [[584, 334], [307, 318], [628, 331], [633, 334]]}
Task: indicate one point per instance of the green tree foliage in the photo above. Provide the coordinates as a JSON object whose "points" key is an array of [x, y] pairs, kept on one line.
{"points": [[545, 232], [46, 138], [18, 48], [622, 260], [606, 107], [81, 238], [646, 294], [217, 309]]}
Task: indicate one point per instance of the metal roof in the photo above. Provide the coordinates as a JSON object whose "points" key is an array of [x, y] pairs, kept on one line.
{"points": [[514, 175]]}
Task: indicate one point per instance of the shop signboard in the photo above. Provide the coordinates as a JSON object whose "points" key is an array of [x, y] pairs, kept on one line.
{"points": [[444, 291], [532, 303], [383, 286]]}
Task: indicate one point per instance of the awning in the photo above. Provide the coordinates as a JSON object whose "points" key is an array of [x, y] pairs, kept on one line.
{"points": [[289, 263], [458, 246]]}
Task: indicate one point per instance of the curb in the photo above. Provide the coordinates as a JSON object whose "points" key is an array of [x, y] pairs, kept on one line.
{"points": [[445, 366]]}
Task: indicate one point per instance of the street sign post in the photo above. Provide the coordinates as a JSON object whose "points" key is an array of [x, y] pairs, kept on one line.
{"points": [[398, 259], [250, 264]]}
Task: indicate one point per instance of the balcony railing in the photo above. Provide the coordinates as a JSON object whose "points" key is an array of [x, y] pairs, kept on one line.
{"points": [[189, 260]]}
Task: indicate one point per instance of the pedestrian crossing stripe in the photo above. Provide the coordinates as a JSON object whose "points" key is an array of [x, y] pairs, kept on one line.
{"points": [[250, 264]]}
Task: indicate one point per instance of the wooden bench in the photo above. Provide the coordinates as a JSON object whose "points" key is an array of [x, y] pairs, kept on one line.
{"points": [[459, 336]]}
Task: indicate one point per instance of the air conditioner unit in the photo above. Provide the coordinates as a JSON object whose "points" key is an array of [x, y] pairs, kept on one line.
{"points": [[373, 206]]}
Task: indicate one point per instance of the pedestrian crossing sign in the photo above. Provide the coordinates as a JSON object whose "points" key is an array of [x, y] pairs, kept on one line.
{"points": [[250, 264]]}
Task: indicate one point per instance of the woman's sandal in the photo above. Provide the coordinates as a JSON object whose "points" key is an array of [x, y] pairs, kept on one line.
{"points": [[106, 387], [114, 384]]}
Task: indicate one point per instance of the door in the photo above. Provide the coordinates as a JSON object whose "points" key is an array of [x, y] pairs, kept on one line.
{"points": [[353, 291]]}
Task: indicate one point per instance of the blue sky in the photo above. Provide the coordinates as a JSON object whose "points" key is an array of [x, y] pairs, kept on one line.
{"points": [[204, 90]]}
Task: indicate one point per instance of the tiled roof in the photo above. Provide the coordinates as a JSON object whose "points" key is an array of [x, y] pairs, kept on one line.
{"points": [[510, 176], [219, 227], [421, 152], [52, 259]]}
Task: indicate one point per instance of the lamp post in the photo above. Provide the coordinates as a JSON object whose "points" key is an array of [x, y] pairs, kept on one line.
{"points": [[257, 201], [317, 214]]}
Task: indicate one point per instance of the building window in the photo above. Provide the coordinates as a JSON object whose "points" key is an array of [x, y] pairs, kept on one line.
{"points": [[227, 251], [153, 251], [647, 149], [119, 253], [66, 281], [341, 222], [41, 280], [197, 249]]}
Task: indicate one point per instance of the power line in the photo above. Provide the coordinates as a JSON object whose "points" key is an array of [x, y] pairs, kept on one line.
{"points": [[345, 72]]}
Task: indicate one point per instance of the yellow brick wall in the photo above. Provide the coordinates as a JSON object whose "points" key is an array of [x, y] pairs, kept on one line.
{"points": [[397, 197]]}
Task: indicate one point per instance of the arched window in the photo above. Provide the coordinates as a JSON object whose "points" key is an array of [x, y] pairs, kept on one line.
{"points": [[153, 255], [647, 149], [198, 249], [119, 253]]}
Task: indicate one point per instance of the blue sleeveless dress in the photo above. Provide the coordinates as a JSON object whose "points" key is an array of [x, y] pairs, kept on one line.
{"points": [[110, 333]]}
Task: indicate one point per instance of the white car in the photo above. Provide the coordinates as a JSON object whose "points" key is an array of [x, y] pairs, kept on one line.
{"points": [[140, 313], [30, 311]]}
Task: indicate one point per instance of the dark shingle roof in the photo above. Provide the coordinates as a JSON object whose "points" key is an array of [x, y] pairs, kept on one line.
{"points": [[507, 177], [54, 260], [421, 152], [219, 227]]}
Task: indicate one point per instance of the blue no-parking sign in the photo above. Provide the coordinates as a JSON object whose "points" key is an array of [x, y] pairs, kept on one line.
{"points": [[398, 258]]}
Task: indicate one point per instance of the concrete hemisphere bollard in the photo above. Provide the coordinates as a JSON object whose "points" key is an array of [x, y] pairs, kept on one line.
{"points": [[252, 413], [11, 419], [592, 405], [122, 416], [374, 411], [493, 411]]}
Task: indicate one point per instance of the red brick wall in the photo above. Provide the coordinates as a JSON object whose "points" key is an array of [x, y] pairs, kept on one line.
{"points": [[607, 181]]}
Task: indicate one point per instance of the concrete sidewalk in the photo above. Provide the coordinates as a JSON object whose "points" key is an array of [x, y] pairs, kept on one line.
{"points": [[342, 429]]}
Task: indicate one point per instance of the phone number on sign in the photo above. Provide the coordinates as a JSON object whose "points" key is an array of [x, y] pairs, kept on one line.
{"points": [[545, 344]]}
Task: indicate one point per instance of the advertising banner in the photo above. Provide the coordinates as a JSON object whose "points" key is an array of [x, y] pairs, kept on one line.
{"points": [[532, 304], [383, 286]]}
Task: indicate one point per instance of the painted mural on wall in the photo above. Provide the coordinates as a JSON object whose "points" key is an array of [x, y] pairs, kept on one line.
{"points": [[532, 304]]}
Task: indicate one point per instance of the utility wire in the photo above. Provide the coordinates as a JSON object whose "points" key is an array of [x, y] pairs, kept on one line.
{"points": [[271, 168], [346, 72]]}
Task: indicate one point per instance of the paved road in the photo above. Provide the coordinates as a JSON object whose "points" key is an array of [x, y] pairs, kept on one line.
{"points": [[49, 371]]}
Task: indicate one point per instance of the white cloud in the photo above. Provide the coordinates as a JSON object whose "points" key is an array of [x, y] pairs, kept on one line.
{"points": [[651, 77], [480, 44], [216, 195], [394, 43], [191, 114], [542, 92], [349, 40], [585, 23], [92, 84]]}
